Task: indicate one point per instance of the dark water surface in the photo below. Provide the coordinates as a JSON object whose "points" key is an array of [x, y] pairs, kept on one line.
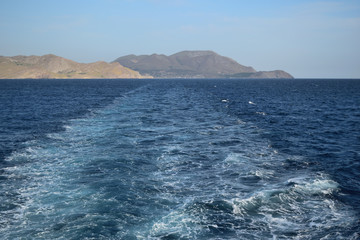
{"points": [[180, 159]]}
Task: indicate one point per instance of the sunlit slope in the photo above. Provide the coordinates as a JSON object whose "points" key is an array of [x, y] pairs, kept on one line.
{"points": [[51, 66]]}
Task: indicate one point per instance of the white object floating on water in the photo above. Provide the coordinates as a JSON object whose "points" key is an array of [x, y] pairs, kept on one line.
{"points": [[250, 102], [261, 113], [225, 100]]}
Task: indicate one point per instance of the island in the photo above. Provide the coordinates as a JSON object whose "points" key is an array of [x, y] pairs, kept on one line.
{"points": [[185, 64], [55, 67], [194, 64]]}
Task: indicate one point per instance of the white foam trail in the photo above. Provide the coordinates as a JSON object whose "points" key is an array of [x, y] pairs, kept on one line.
{"points": [[212, 175]]}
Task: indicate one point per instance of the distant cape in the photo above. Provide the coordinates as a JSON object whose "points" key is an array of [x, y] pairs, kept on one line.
{"points": [[51, 66], [194, 64]]}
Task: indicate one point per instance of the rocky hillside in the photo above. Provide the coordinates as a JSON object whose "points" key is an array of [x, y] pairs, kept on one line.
{"points": [[51, 66], [194, 64]]}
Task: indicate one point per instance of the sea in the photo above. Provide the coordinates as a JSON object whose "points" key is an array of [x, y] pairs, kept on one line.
{"points": [[180, 159]]}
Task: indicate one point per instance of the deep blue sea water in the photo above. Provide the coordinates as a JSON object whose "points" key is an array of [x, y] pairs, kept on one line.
{"points": [[180, 159]]}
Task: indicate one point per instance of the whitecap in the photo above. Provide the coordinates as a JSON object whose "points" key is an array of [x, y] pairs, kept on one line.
{"points": [[176, 223], [261, 113], [324, 186]]}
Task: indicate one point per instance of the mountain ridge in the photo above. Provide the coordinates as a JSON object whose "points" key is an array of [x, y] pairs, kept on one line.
{"points": [[194, 64], [184, 64]]}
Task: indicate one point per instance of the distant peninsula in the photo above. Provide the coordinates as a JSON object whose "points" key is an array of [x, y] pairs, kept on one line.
{"points": [[194, 64], [51, 66], [185, 64]]}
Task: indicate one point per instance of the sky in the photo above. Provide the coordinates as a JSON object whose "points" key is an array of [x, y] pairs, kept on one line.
{"points": [[307, 38]]}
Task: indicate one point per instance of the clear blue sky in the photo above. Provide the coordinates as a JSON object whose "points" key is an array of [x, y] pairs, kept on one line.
{"points": [[306, 38]]}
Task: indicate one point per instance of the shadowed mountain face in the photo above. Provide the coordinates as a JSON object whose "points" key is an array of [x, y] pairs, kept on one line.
{"points": [[194, 64], [51, 66]]}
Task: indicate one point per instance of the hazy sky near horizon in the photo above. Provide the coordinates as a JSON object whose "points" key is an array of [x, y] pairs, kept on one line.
{"points": [[307, 38]]}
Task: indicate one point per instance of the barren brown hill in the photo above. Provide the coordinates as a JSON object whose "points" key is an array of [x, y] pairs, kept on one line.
{"points": [[51, 66]]}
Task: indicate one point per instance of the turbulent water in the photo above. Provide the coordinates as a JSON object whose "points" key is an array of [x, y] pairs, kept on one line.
{"points": [[179, 159]]}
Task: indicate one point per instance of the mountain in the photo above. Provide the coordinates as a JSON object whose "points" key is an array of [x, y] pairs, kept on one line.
{"points": [[51, 66], [194, 64]]}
